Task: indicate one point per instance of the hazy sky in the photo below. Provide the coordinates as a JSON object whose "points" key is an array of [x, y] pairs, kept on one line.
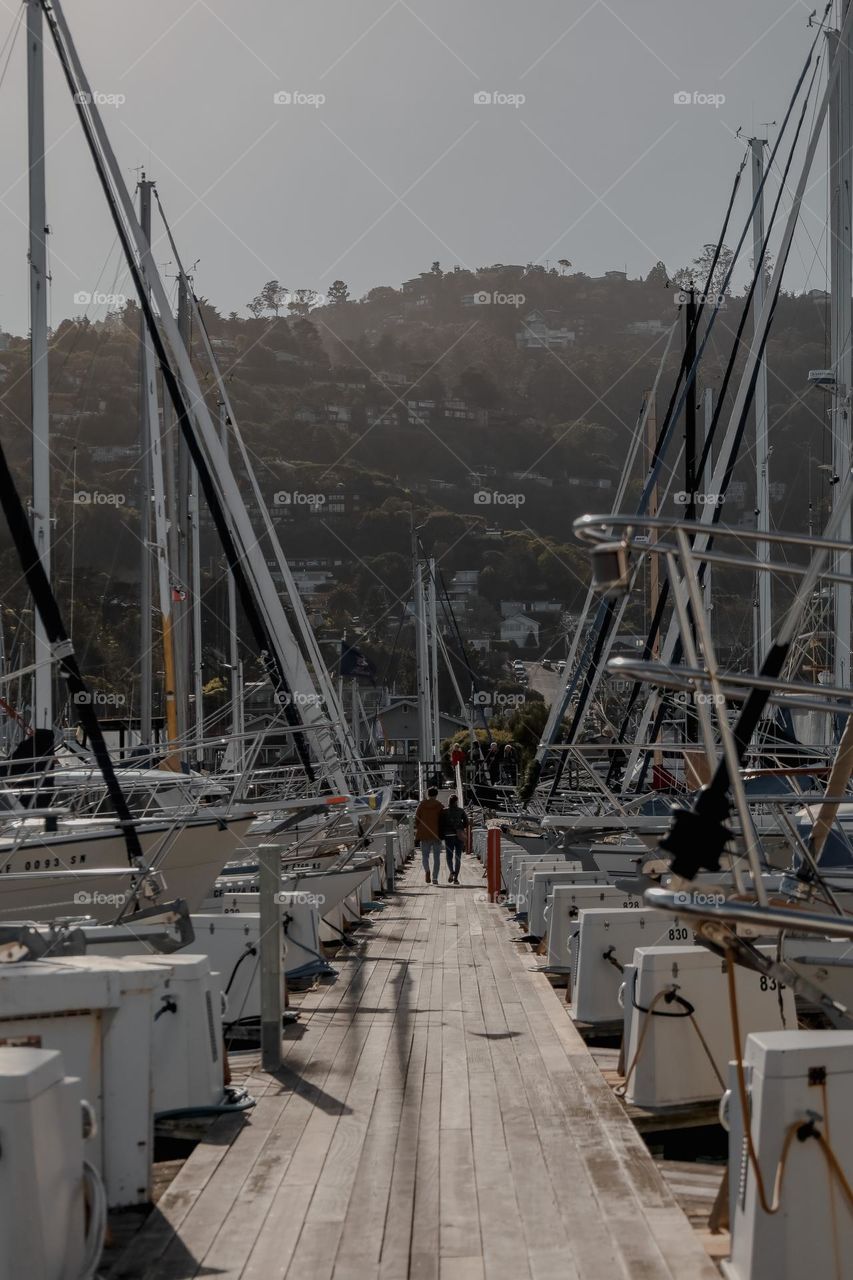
{"points": [[399, 165]]}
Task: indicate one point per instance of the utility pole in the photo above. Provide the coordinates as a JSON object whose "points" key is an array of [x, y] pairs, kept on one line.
{"points": [[762, 608], [841, 274], [43, 716]]}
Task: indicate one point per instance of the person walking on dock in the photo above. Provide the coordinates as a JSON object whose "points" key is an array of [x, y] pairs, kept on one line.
{"points": [[453, 825], [428, 832]]}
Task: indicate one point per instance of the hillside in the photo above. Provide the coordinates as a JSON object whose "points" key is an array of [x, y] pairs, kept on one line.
{"points": [[491, 408]]}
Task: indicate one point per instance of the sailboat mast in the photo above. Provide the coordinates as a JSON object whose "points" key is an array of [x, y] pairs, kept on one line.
{"points": [[233, 649], [762, 609], [841, 274], [146, 634], [433, 633], [190, 555], [156, 470], [421, 659], [38, 230]]}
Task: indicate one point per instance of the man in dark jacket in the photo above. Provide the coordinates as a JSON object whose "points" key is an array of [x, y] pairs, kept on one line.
{"points": [[428, 832], [454, 823]]}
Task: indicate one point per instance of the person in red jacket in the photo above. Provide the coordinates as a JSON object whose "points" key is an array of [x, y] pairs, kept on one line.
{"points": [[428, 832]]}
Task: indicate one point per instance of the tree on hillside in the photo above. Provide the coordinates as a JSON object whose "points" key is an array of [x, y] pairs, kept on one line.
{"points": [[658, 275], [477, 388], [382, 294], [338, 292], [698, 272], [301, 301], [271, 298]]}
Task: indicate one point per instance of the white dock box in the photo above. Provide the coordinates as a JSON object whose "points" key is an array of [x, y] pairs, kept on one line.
{"points": [[673, 1067], [540, 886], [42, 1209], [607, 939], [790, 1075], [300, 925], [98, 1012], [561, 916], [188, 1047], [231, 944]]}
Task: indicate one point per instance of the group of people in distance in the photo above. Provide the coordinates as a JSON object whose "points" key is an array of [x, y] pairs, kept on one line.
{"points": [[435, 826], [498, 763]]}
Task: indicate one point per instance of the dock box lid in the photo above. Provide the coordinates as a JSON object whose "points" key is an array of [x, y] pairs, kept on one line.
{"points": [[780, 1055], [26, 1072]]}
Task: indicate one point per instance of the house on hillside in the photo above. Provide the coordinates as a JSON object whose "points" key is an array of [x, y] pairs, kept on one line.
{"points": [[312, 584], [543, 331], [396, 726], [463, 583], [651, 327], [518, 630]]}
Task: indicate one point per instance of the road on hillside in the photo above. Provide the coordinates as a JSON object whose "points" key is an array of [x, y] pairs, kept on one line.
{"points": [[545, 682]]}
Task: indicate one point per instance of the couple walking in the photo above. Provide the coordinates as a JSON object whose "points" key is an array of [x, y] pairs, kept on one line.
{"points": [[433, 825]]}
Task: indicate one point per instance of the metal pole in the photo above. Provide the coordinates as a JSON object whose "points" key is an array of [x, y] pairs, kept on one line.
{"points": [[433, 631], [38, 231], [146, 637], [690, 406], [189, 555], [421, 659], [390, 861], [841, 174], [233, 650], [176, 469], [707, 474], [763, 621], [160, 540], [269, 864]]}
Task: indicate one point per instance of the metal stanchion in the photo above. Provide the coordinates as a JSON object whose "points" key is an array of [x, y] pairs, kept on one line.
{"points": [[390, 860], [493, 864], [269, 862]]}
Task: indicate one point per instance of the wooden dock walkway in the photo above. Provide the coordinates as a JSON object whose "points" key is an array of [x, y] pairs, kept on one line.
{"points": [[437, 1117]]}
